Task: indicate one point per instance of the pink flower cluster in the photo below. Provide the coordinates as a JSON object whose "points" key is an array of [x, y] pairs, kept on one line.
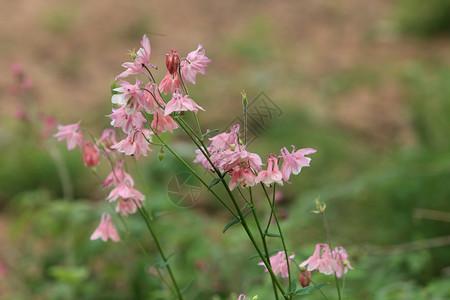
{"points": [[228, 155], [328, 262]]}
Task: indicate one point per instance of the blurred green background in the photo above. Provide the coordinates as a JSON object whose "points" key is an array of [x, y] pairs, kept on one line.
{"points": [[366, 83]]}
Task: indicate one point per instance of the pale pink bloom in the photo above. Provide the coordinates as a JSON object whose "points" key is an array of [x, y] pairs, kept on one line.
{"points": [[127, 207], [134, 144], [72, 134], [172, 61], [241, 297], [128, 91], [108, 138], [278, 196], [162, 123], [225, 140], [181, 103], [341, 262], [278, 264], [16, 68], [154, 102], [142, 59], [118, 175], [170, 83], [321, 260], [90, 155], [293, 162], [125, 191], [195, 62], [128, 122], [201, 159], [242, 176], [229, 159], [272, 174], [106, 230]]}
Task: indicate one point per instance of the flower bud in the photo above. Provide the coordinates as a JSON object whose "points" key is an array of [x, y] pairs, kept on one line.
{"points": [[90, 155], [172, 61], [304, 278], [161, 155]]}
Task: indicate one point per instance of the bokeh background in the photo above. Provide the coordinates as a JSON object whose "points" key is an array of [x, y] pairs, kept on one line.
{"points": [[366, 83]]}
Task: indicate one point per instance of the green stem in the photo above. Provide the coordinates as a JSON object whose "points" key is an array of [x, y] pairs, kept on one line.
{"points": [[272, 207], [144, 185], [144, 215]]}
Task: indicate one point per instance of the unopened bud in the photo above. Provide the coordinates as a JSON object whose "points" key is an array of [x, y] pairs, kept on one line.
{"points": [[244, 99], [320, 207], [255, 298], [90, 155], [172, 61], [305, 278], [161, 155]]}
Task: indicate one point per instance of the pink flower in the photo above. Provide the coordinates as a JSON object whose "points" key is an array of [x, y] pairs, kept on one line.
{"points": [[16, 68], [127, 207], [305, 278], [293, 162], [72, 134], [125, 191], [134, 144], [141, 60], [128, 122], [108, 139], [172, 61], [118, 175], [321, 260], [195, 62], [341, 263], [170, 83], [162, 123], [225, 140], [278, 264], [90, 155], [105, 230], [241, 297], [242, 176], [201, 159], [273, 174], [127, 91], [153, 98], [181, 103]]}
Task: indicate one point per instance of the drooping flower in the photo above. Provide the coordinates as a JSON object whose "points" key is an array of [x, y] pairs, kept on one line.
{"points": [[128, 122], [293, 162], [126, 206], [125, 191], [90, 155], [128, 91], [134, 144], [242, 176], [72, 134], [181, 103], [170, 83], [108, 139], [154, 102], [272, 174], [341, 262], [278, 264], [118, 175], [321, 260], [141, 60], [106, 230], [172, 61], [304, 278], [162, 123], [195, 62]]}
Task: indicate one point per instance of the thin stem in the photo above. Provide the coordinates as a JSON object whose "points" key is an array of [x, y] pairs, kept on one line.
{"points": [[272, 207], [144, 215], [198, 127], [144, 185]]}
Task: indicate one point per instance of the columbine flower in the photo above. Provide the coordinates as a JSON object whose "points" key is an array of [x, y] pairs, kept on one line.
{"points": [[170, 83], [241, 297], [127, 207], [90, 155], [154, 102], [278, 264], [341, 263], [195, 62], [293, 162], [105, 230], [108, 139], [134, 144], [125, 191], [181, 103], [273, 174], [141, 60], [172, 61], [128, 91], [243, 176], [72, 134], [117, 176], [162, 123], [128, 122], [321, 260]]}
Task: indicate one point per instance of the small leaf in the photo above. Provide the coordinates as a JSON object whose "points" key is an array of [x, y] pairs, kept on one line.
{"points": [[213, 183], [235, 221], [309, 289], [293, 286], [209, 132], [273, 235], [187, 287]]}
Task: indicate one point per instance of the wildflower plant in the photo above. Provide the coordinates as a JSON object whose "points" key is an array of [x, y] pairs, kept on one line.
{"points": [[141, 112]]}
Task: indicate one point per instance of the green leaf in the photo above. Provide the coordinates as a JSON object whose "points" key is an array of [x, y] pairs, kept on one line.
{"points": [[235, 221], [213, 183], [309, 289], [187, 287], [209, 132], [293, 286], [273, 235]]}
